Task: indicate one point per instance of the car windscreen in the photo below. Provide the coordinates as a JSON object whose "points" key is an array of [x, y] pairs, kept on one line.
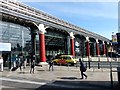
{"points": [[66, 58], [59, 58]]}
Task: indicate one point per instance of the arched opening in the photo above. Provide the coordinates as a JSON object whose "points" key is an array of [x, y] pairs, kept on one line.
{"points": [[80, 45], [56, 42], [92, 46]]}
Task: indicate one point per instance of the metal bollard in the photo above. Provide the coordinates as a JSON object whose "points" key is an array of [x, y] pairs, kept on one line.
{"points": [[89, 64], [86, 64], [111, 75], [98, 65]]}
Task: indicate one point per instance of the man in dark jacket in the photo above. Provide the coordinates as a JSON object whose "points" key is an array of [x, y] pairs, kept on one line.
{"points": [[32, 66], [51, 63], [82, 69]]}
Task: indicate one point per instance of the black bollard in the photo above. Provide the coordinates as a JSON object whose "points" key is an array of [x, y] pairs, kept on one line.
{"points": [[111, 77], [89, 64], [86, 64], [98, 65]]}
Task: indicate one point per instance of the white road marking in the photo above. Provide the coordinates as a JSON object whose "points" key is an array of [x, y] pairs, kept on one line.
{"points": [[22, 81]]}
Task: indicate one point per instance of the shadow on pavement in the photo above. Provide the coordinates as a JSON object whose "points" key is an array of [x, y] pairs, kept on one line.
{"points": [[23, 72], [40, 70], [79, 85], [72, 78]]}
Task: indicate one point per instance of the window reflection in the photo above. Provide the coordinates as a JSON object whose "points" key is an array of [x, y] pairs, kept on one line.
{"points": [[17, 35]]}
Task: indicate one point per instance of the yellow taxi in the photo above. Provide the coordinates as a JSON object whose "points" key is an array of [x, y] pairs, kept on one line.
{"points": [[65, 60]]}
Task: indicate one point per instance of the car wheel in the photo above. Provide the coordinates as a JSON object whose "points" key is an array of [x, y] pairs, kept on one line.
{"points": [[55, 63], [72, 64]]}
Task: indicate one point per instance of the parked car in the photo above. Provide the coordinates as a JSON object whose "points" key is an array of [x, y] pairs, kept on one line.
{"points": [[65, 60]]}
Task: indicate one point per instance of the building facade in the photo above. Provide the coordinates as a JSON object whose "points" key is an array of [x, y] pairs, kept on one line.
{"points": [[40, 35]]}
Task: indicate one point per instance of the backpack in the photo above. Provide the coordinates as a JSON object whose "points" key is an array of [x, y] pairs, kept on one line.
{"points": [[84, 69]]}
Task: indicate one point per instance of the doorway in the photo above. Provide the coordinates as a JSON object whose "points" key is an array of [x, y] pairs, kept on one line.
{"points": [[6, 58]]}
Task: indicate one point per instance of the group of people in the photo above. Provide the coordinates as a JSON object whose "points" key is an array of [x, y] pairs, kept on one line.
{"points": [[50, 62], [18, 61]]}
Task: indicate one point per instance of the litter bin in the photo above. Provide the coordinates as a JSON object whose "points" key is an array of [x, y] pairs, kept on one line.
{"points": [[118, 71]]}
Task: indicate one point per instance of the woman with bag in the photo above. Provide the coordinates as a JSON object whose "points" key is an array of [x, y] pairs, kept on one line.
{"points": [[82, 69]]}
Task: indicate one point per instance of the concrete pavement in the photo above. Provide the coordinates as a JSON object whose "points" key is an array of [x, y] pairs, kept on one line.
{"points": [[64, 76]]}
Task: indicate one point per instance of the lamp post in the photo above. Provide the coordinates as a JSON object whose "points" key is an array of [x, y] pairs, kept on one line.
{"points": [[111, 49]]}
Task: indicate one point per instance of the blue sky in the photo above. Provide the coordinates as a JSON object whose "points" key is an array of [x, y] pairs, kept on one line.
{"points": [[97, 17]]}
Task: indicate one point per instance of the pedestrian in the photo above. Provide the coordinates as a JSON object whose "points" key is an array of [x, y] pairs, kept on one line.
{"points": [[51, 63], [32, 66], [14, 60], [1, 63], [20, 63], [82, 69], [24, 62]]}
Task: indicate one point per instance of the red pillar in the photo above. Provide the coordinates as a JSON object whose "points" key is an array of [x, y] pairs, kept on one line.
{"points": [[88, 48], [104, 49], [97, 49], [42, 47], [72, 46]]}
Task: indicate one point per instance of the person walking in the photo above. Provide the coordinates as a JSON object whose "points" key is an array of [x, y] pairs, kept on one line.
{"points": [[82, 69], [1, 63], [51, 63], [14, 60], [20, 61], [32, 66]]}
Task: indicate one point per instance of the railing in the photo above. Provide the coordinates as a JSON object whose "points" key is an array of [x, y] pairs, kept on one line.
{"points": [[27, 10]]}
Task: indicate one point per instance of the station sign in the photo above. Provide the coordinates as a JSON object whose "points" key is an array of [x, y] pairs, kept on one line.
{"points": [[77, 47], [114, 39]]}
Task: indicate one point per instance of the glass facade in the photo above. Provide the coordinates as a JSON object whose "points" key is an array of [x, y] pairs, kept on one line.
{"points": [[19, 37], [56, 42]]}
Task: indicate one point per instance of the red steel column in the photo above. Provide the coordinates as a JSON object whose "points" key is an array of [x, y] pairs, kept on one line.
{"points": [[41, 32], [72, 43], [97, 48], [72, 46], [88, 48], [104, 49], [42, 47]]}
